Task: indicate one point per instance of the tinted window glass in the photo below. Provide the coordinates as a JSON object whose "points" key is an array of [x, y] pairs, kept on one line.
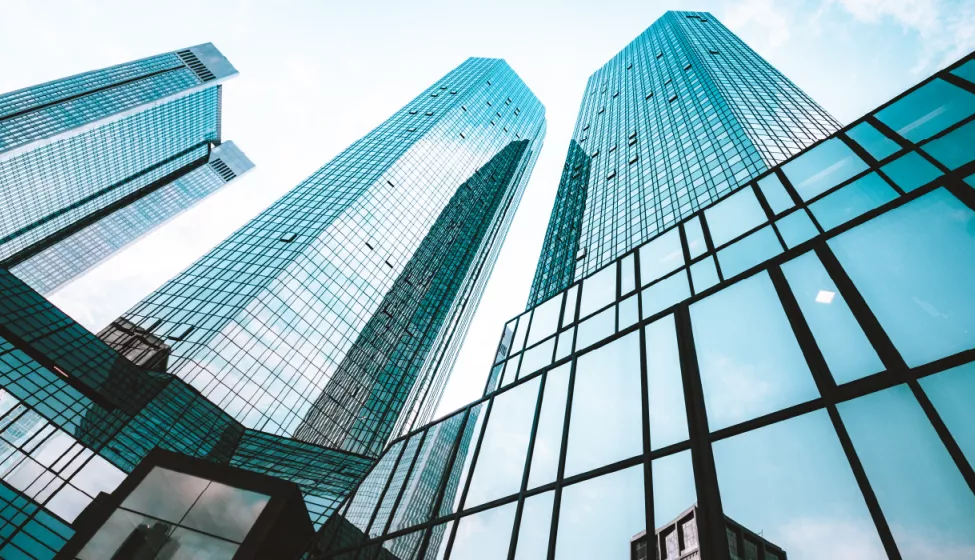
{"points": [[695, 237], [872, 140], [704, 274], [822, 168], [673, 487], [796, 228], [665, 387], [734, 216], [748, 252], [597, 517], [928, 110], [548, 437], [545, 320], [776, 195], [665, 293], [536, 525], [952, 392], [911, 171], [660, 256], [851, 201], [485, 535], [956, 148], [598, 290]]}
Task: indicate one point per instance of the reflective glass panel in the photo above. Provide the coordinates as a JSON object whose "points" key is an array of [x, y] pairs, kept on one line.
{"points": [[225, 511], [966, 71], [792, 483], [501, 461], [396, 482], [548, 436], [911, 171], [596, 328], [848, 353], [536, 525], [954, 149], [748, 252], [734, 216], [485, 535], [673, 487], [665, 388], [439, 538], [462, 463], [913, 266], [928, 110], [930, 509], [855, 199], [510, 370], [598, 291], [605, 423], [822, 168], [165, 494], [569, 315], [952, 392], [362, 506], [872, 140], [629, 312], [749, 359], [597, 517], [627, 275], [545, 320], [537, 357], [704, 274], [796, 228], [660, 256], [665, 293], [695, 237], [116, 531], [520, 332], [564, 347], [403, 547], [190, 545], [775, 193]]}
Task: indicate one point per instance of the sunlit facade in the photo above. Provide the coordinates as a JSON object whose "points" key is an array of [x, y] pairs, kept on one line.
{"points": [[91, 162], [684, 114], [792, 366], [334, 316]]}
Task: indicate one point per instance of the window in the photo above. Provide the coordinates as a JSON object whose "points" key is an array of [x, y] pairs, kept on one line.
{"points": [[665, 387], [661, 256], [955, 148], [872, 140], [823, 167], [928, 110], [485, 534], [911, 171], [734, 216], [599, 516], [855, 199], [548, 436]]}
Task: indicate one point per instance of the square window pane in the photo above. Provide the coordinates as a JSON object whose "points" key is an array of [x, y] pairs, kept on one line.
{"points": [[734, 216], [748, 252], [796, 228], [548, 436], [485, 535], [165, 494], [952, 392], [150, 536], [545, 320], [674, 491], [704, 274], [778, 199], [536, 358], [598, 291], [665, 293], [872, 140], [749, 359], [661, 256], [536, 525], [913, 266], [853, 200], [695, 237], [596, 328], [928, 110], [598, 517], [822, 168], [665, 386], [954, 149], [911, 171], [190, 545], [605, 425]]}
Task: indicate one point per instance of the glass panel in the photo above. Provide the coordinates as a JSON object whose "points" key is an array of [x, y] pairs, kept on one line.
{"points": [[956, 148], [439, 538], [930, 509], [778, 199], [665, 388], [872, 140], [605, 423], [661, 256], [791, 482], [569, 315], [846, 349], [548, 436], [536, 525], [485, 535], [853, 200], [952, 392], [494, 378], [822, 168], [911, 171], [545, 320], [462, 463], [928, 110], [403, 547], [165, 494], [966, 71], [797, 228], [734, 216], [537, 358], [519, 341], [596, 328], [665, 293], [750, 251], [395, 485], [629, 312], [190, 545], [673, 487], [367, 495], [598, 517], [501, 461], [147, 536], [913, 266], [507, 337], [704, 274], [598, 291], [627, 275], [749, 359], [564, 347], [695, 237]]}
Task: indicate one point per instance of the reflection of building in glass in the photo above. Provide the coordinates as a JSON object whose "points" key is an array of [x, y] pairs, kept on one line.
{"points": [[335, 315], [91, 162], [678, 540], [684, 114]]}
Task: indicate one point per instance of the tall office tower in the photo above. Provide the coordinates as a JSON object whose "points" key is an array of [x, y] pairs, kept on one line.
{"points": [[336, 313], [795, 360], [682, 115], [91, 162]]}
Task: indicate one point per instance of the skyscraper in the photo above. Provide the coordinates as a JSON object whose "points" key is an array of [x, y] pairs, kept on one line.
{"points": [[336, 313], [685, 113], [796, 357], [91, 162]]}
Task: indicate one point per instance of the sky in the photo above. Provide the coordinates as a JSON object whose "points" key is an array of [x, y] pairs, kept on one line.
{"points": [[317, 75]]}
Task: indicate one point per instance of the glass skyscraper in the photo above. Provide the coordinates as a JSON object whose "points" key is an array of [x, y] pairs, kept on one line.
{"points": [[785, 372], [335, 314], [682, 115], [90, 162]]}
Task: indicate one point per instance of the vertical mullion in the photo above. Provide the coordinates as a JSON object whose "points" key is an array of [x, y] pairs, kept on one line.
{"points": [[406, 479], [557, 502], [647, 466], [946, 438], [516, 526], [467, 481]]}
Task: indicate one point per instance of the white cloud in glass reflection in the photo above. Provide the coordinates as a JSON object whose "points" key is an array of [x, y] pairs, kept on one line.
{"points": [[825, 296]]}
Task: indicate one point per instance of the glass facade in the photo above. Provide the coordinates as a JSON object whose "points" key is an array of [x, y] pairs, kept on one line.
{"points": [[90, 162], [335, 315], [785, 373], [682, 115]]}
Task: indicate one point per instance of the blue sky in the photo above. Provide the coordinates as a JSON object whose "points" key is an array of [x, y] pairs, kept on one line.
{"points": [[315, 76]]}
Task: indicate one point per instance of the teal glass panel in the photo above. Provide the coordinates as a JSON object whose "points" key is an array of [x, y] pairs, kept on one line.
{"points": [[913, 266], [872, 140], [704, 274], [848, 353], [605, 424], [665, 293], [597, 517], [673, 487], [928, 110], [485, 535], [822, 168], [966, 71], [548, 436], [536, 525], [928, 505], [598, 291], [911, 171], [665, 386], [855, 199], [596, 328], [952, 392], [796, 228], [778, 199], [748, 252], [695, 237], [792, 483], [954, 149], [734, 216], [545, 320], [660, 257], [439, 539], [748, 356]]}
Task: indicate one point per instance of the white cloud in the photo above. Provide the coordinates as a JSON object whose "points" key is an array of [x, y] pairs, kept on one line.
{"points": [[763, 14]]}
